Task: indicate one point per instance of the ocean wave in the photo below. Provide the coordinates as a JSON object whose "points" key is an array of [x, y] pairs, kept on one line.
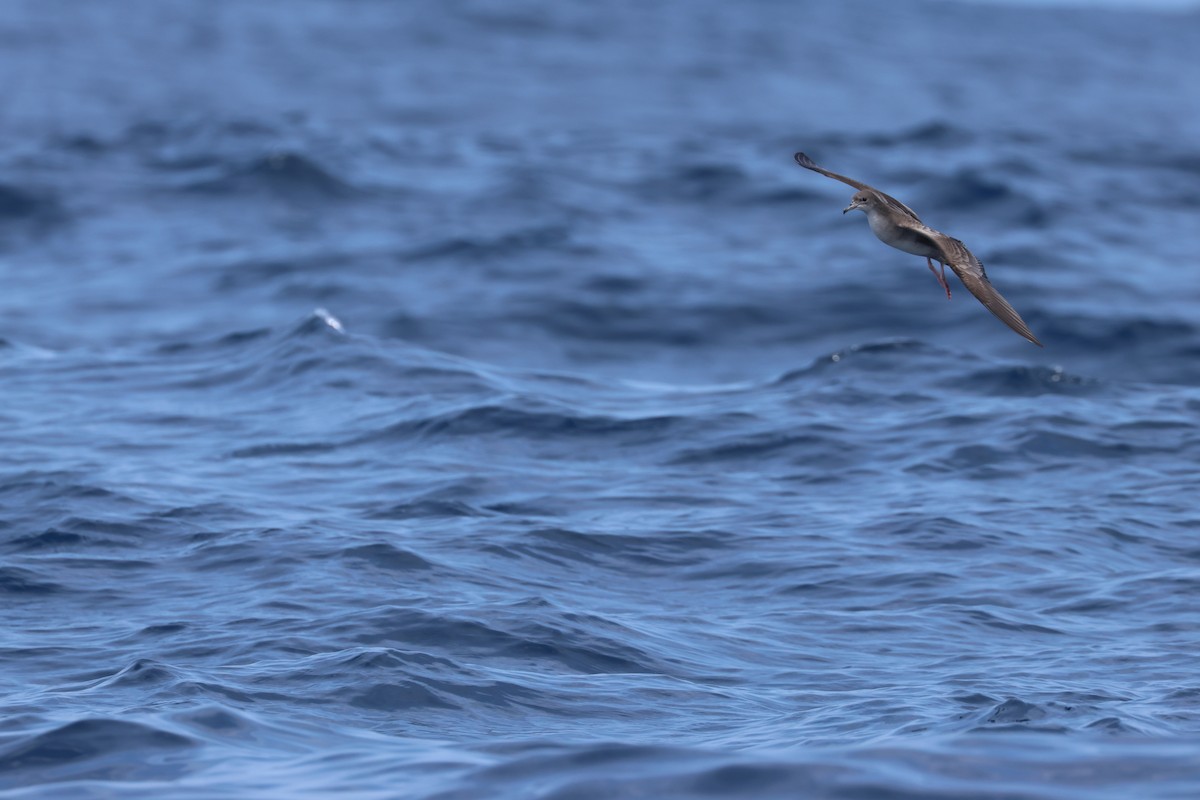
{"points": [[382, 555], [506, 245], [558, 545], [20, 581], [1026, 381], [540, 423], [18, 204], [289, 176], [531, 634], [968, 191], [1036, 765], [95, 750]]}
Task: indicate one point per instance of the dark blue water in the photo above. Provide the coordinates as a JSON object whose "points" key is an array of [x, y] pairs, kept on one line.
{"points": [[473, 400]]}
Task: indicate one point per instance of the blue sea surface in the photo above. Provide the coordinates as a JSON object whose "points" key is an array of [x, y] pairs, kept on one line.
{"points": [[472, 399]]}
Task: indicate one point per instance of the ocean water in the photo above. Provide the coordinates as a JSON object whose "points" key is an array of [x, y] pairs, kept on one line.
{"points": [[474, 400]]}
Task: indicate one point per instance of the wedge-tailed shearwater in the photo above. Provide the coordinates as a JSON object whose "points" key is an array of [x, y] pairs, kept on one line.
{"points": [[898, 225]]}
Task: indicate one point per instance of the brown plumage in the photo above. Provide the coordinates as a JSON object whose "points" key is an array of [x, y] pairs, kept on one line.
{"points": [[898, 225]]}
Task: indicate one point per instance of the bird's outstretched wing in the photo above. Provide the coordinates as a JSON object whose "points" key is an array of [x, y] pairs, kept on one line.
{"points": [[970, 271], [808, 163]]}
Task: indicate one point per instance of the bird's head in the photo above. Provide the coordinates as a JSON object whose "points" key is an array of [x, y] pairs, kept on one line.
{"points": [[863, 200]]}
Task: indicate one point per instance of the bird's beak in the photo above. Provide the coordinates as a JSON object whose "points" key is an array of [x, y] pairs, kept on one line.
{"points": [[850, 207]]}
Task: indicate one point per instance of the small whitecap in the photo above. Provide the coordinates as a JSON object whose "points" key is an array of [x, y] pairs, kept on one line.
{"points": [[329, 319]]}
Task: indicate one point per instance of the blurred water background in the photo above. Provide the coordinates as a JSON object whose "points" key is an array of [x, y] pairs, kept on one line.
{"points": [[472, 399]]}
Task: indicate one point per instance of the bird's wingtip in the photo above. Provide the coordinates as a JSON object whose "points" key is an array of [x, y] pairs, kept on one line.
{"points": [[1027, 334], [805, 161]]}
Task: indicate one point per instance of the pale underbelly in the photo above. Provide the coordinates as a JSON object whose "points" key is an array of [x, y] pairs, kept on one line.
{"points": [[906, 239], [917, 248]]}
